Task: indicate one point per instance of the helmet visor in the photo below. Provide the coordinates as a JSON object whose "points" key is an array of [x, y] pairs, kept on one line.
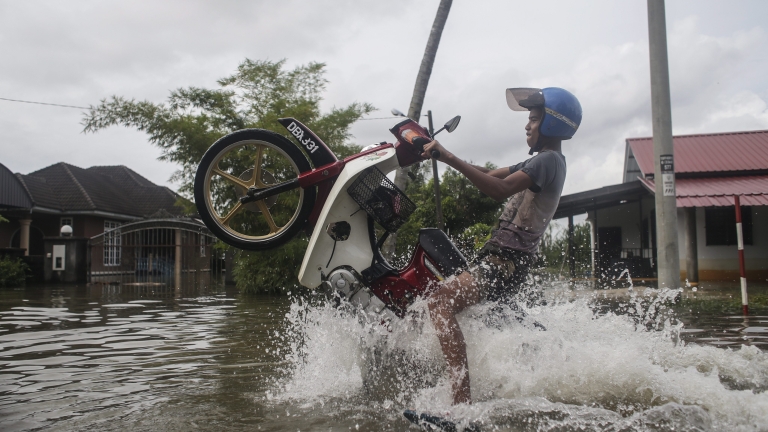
{"points": [[523, 99]]}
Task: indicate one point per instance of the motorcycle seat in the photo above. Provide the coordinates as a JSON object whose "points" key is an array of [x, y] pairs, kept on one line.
{"points": [[442, 251]]}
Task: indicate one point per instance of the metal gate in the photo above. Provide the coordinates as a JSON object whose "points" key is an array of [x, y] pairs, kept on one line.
{"points": [[154, 252]]}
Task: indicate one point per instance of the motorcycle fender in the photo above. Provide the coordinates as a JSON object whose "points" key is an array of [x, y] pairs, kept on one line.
{"points": [[322, 254], [313, 146]]}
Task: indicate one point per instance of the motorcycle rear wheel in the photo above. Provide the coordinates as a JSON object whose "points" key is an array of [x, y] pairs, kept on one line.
{"points": [[252, 158]]}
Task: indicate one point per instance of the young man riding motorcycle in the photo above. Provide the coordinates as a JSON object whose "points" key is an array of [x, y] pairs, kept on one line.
{"points": [[534, 187]]}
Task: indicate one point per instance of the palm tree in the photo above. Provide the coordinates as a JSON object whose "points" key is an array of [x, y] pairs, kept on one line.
{"points": [[419, 90]]}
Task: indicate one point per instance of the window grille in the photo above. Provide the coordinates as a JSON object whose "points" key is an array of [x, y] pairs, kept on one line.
{"points": [[112, 243]]}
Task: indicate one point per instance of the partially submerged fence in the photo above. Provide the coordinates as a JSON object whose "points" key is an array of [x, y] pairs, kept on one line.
{"points": [[154, 251]]}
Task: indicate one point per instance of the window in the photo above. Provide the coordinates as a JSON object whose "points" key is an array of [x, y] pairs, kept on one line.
{"points": [[112, 243], [720, 225], [66, 221], [202, 244]]}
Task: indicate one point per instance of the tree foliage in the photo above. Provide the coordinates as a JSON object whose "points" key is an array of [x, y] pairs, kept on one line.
{"points": [[272, 271], [254, 96], [469, 214], [554, 249]]}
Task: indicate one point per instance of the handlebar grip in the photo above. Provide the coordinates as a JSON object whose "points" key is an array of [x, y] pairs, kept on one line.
{"points": [[420, 142], [435, 154]]}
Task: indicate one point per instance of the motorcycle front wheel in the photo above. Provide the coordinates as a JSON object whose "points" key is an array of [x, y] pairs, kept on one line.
{"points": [[252, 158]]}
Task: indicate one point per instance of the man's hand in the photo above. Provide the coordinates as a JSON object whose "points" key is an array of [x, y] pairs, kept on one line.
{"points": [[445, 155]]}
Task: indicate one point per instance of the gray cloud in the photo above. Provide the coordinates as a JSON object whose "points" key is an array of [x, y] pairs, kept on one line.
{"points": [[78, 52]]}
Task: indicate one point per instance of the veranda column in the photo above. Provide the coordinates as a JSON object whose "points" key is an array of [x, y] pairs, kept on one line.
{"points": [[24, 235], [742, 268], [691, 246]]}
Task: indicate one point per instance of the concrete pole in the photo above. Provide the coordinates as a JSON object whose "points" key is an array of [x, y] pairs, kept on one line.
{"points": [[668, 253], [24, 235], [691, 246]]}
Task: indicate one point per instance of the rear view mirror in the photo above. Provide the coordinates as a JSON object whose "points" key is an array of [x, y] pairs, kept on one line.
{"points": [[451, 124]]}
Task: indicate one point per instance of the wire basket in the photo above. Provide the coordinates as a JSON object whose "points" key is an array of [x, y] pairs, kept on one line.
{"points": [[381, 199]]}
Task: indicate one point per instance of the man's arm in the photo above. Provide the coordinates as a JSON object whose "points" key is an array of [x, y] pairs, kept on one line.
{"points": [[495, 186], [498, 172]]}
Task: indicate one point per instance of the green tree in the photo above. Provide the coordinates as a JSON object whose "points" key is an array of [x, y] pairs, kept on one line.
{"points": [[554, 249], [255, 96], [469, 214]]}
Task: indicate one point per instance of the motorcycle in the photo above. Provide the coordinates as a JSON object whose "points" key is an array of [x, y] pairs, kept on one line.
{"points": [[256, 189]]}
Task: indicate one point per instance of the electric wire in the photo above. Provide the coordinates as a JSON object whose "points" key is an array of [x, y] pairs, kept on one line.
{"points": [[82, 107], [43, 103], [87, 108]]}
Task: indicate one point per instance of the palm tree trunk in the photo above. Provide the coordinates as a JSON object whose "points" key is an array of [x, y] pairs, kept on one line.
{"points": [[417, 100]]}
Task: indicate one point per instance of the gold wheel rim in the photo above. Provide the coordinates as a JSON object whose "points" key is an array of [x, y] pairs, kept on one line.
{"points": [[255, 180]]}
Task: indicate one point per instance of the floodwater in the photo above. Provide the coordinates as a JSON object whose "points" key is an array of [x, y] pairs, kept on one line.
{"points": [[151, 357]]}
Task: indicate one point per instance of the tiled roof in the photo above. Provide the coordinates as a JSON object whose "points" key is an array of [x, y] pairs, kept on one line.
{"points": [[13, 194], [703, 153], [122, 174], [718, 191], [112, 189]]}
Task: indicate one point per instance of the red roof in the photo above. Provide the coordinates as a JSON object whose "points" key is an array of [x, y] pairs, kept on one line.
{"points": [[732, 151], [718, 191]]}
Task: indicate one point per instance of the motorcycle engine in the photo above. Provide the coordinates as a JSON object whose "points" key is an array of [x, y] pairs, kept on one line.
{"points": [[346, 284]]}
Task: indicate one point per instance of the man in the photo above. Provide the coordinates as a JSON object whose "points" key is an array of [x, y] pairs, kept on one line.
{"points": [[534, 186]]}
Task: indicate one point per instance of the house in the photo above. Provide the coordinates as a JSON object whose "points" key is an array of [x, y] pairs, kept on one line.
{"points": [[710, 169], [91, 201], [130, 224]]}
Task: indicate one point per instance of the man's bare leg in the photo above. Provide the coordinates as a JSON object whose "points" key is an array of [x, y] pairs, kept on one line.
{"points": [[450, 299]]}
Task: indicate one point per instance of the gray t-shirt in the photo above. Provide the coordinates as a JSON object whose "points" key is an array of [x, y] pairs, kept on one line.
{"points": [[527, 213]]}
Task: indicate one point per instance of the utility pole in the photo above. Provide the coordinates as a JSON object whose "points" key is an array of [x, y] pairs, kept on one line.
{"points": [[663, 151], [419, 90], [436, 177]]}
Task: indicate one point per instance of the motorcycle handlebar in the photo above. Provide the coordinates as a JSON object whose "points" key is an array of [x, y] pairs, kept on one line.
{"points": [[420, 142]]}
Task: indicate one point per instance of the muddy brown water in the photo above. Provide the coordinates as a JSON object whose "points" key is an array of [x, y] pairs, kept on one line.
{"points": [[203, 357]]}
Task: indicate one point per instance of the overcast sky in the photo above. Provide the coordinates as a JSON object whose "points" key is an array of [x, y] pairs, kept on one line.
{"points": [[78, 52]]}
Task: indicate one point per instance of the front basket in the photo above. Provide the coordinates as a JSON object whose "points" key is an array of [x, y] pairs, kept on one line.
{"points": [[381, 199]]}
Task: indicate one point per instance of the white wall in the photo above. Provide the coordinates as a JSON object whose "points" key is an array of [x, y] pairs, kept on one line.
{"points": [[710, 257], [625, 216], [726, 257]]}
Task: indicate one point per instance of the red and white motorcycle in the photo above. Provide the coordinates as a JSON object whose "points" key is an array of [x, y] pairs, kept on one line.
{"points": [[255, 190]]}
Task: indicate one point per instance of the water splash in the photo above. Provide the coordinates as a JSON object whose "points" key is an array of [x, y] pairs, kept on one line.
{"points": [[619, 366]]}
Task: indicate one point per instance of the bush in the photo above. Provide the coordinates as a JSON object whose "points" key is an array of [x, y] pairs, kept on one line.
{"points": [[469, 215], [13, 272], [272, 271], [554, 249]]}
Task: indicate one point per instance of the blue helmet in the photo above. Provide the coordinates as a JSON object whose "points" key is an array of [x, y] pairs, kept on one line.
{"points": [[562, 111]]}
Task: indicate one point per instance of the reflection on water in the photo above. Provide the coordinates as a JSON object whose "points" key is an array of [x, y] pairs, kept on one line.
{"points": [[85, 357], [152, 357]]}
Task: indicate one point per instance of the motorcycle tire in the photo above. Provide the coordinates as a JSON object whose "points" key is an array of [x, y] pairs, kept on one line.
{"points": [[242, 160]]}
